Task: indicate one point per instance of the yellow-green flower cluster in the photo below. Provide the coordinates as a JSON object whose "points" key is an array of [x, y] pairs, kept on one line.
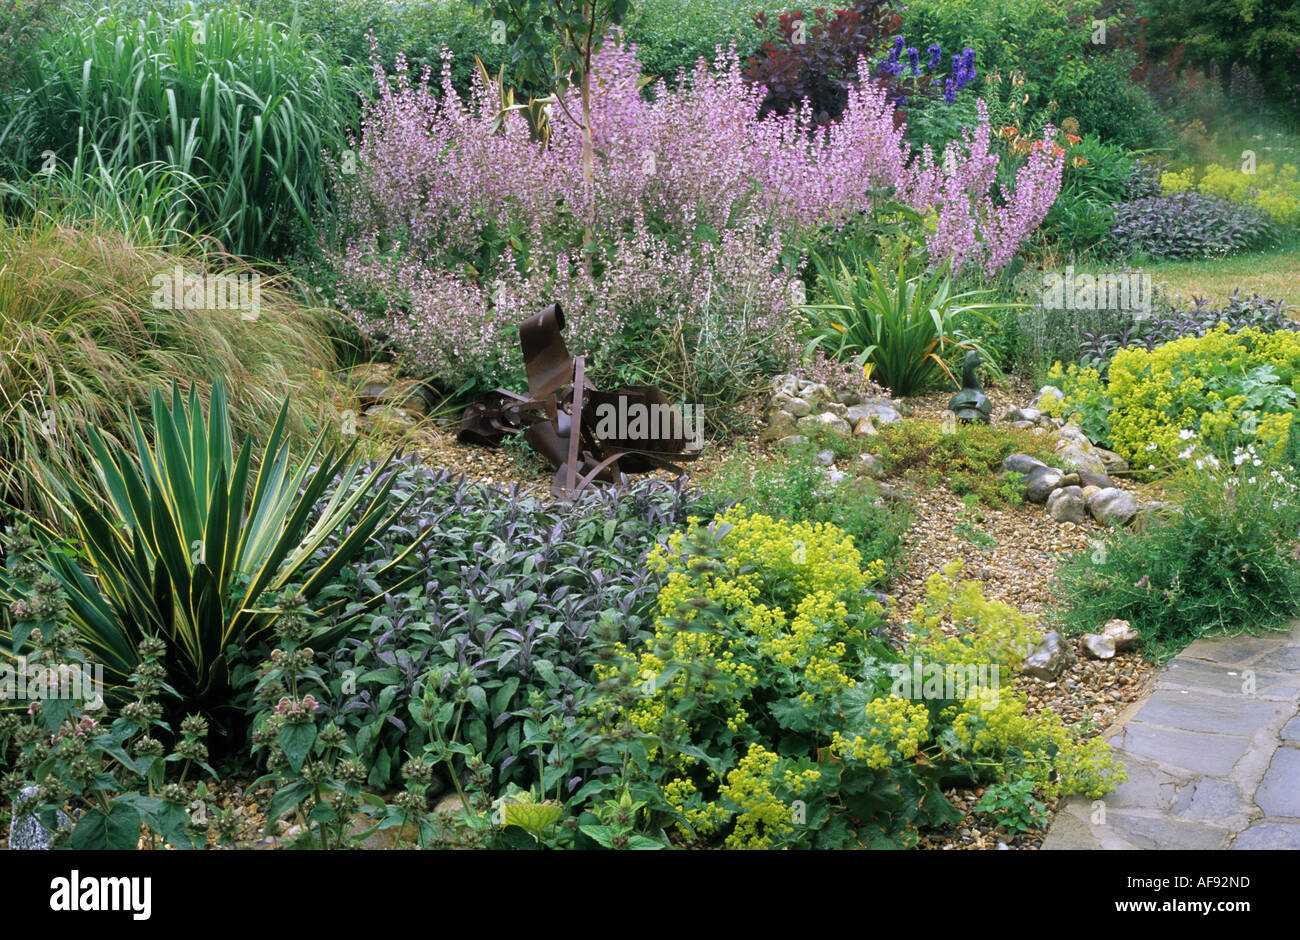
{"points": [[814, 563], [979, 631], [895, 727], [1190, 388], [1276, 190], [1058, 763], [763, 820]]}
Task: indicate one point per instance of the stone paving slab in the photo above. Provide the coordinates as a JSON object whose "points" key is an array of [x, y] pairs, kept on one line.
{"points": [[1213, 756]]}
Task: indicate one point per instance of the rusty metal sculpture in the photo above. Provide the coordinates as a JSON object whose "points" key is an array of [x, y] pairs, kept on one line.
{"points": [[558, 390]]}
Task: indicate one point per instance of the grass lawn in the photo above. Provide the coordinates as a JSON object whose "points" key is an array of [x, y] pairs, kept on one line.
{"points": [[1274, 274]]}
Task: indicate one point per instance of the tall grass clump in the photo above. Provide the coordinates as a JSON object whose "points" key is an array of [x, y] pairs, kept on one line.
{"points": [[83, 337], [236, 105]]}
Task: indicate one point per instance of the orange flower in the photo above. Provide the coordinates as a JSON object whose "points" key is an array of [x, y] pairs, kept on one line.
{"points": [[1008, 131], [1022, 146], [1080, 161], [1057, 150], [1073, 138]]}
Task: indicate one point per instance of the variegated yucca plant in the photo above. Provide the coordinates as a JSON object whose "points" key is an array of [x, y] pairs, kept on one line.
{"points": [[183, 540]]}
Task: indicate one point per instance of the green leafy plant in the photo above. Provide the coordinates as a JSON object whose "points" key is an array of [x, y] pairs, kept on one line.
{"points": [[1014, 806], [182, 541], [905, 330]]}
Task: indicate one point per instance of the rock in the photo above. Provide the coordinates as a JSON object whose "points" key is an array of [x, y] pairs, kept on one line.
{"points": [[1078, 457], [779, 424], [1067, 505], [850, 398], [1045, 396], [1098, 646], [880, 412], [397, 419], [797, 407], [794, 440], [1070, 479], [816, 394], [826, 421], [25, 830], [1074, 434], [834, 477], [1049, 658], [1089, 490], [1023, 414], [1039, 483], [835, 408], [825, 457], [864, 428], [1121, 633], [871, 465], [1112, 507], [1113, 462], [1099, 480], [1021, 463], [1022, 425], [786, 385]]}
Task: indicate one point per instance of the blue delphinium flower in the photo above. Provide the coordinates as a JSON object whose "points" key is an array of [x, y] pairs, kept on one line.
{"points": [[914, 58], [936, 54], [949, 91], [897, 49]]}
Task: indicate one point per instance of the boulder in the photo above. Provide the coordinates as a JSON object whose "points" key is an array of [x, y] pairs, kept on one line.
{"points": [[1023, 425], [825, 458], [1023, 414], [1021, 463], [1039, 483], [880, 412], [1113, 507], [825, 421], [1073, 434], [1113, 462], [864, 428], [1099, 480], [1067, 505], [796, 406], [1098, 646], [1049, 658], [1079, 457], [779, 424], [850, 398], [794, 440], [1121, 634]]}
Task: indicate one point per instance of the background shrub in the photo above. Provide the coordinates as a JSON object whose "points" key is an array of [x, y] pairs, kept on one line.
{"points": [[1187, 225]]}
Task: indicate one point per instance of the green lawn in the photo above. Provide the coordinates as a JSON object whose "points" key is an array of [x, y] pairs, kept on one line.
{"points": [[1274, 274]]}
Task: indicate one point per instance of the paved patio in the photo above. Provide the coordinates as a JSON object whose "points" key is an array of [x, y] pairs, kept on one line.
{"points": [[1213, 756]]}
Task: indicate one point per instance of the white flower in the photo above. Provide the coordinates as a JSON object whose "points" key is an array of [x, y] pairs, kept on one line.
{"points": [[1186, 435], [1151, 446], [1185, 454], [1239, 459], [1200, 464]]}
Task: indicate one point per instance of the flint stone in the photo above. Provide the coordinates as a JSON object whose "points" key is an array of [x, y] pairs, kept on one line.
{"points": [[1039, 483], [1098, 646], [1067, 505], [1121, 633], [1049, 658], [797, 407], [880, 412], [1077, 457], [1114, 462], [1021, 463], [25, 830], [779, 425], [1112, 507]]}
